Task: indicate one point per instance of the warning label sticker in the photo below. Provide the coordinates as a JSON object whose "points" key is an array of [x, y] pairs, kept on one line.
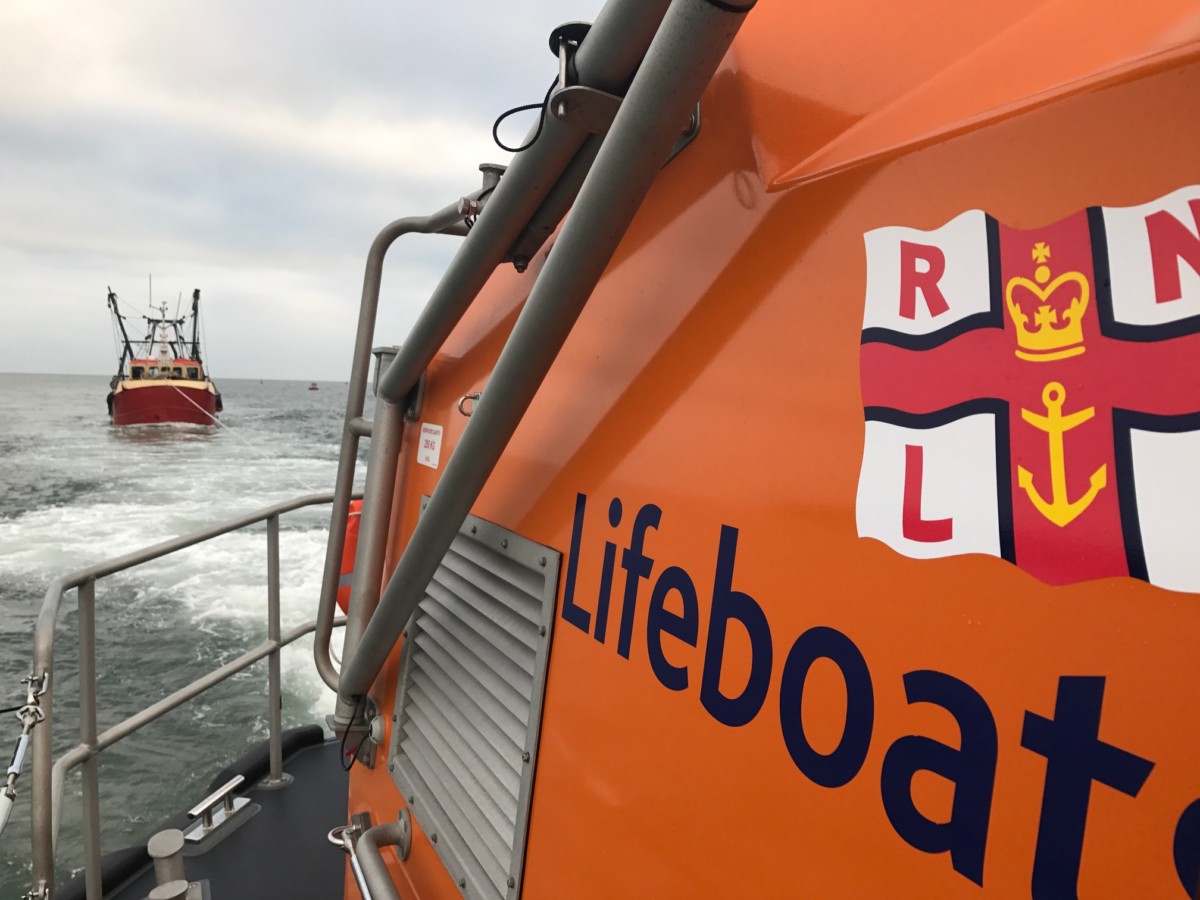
{"points": [[430, 451]]}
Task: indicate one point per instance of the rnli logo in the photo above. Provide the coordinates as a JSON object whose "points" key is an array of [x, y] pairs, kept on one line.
{"points": [[1035, 394]]}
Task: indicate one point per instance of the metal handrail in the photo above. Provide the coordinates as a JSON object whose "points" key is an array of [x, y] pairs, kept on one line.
{"points": [[448, 221], [396, 834], [48, 776], [687, 48], [524, 207]]}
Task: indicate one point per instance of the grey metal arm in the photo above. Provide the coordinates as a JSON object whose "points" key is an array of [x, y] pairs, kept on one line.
{"points": [[689, 45], [531, 195], [606, 60]]}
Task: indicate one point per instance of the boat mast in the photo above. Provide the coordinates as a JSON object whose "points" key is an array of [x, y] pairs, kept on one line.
{"points": [[154, 335], [176, 344], [127, 348], [196, 326]]}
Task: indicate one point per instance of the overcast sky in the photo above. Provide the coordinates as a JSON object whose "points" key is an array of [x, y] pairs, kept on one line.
{"points": [[249, 148]]}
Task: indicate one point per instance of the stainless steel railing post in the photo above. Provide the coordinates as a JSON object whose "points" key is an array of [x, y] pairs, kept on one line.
{"points": [[87, 736], [47, 775], [41, 789], [382, 467], [448, 220], [274, 683]]}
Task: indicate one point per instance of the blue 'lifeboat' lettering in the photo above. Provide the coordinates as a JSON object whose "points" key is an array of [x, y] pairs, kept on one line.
{"points": [[1075, 756]]}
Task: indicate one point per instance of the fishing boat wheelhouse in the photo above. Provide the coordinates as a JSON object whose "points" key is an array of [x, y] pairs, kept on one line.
{"points": [[161, 378]]}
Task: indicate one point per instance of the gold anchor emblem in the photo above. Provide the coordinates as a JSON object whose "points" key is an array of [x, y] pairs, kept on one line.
{"points": [[1059, 510]]}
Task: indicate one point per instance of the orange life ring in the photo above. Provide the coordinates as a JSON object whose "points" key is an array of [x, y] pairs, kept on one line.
{"points": [[348, 550]]}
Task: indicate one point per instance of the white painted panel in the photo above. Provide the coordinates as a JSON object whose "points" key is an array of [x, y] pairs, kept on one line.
{"points": [[429, 453], [1167, 483], [964, 284], [959, 483], [1130, 262]]}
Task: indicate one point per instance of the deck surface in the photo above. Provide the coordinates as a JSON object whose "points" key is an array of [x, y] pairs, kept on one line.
{"points": [[281, 849]]}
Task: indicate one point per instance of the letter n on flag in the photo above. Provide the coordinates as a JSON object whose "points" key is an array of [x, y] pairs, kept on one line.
{"points": [[1034, 394]]}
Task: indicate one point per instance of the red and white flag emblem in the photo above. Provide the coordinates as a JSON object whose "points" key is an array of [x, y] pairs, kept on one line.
{"points": [[1035, 394]]}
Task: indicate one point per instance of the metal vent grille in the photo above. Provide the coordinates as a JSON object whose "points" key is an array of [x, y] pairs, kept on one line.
{"points": [[469, 703]]}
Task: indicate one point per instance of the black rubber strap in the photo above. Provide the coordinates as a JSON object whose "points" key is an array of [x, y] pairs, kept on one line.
{"points": [[726, 6]]}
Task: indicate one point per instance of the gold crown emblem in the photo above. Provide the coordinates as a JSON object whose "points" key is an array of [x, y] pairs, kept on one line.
{"points": [[1058, 324]]}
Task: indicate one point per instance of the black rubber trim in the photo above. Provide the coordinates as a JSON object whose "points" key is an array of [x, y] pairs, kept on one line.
{"points": [[256, 762], [725, 6], [931, 339]]}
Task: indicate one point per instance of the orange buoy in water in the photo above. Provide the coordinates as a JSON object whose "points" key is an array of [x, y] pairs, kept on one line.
{"points": [[349, 548]]}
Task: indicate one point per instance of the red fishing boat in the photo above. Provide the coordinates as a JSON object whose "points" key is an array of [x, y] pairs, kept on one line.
{"points": [[161, 378]]}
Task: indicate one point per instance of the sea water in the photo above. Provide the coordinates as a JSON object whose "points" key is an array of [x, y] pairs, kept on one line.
{"points": [[74, 491]]}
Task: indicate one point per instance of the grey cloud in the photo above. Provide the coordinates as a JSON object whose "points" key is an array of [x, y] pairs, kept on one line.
{"points": [[250, 149]]}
